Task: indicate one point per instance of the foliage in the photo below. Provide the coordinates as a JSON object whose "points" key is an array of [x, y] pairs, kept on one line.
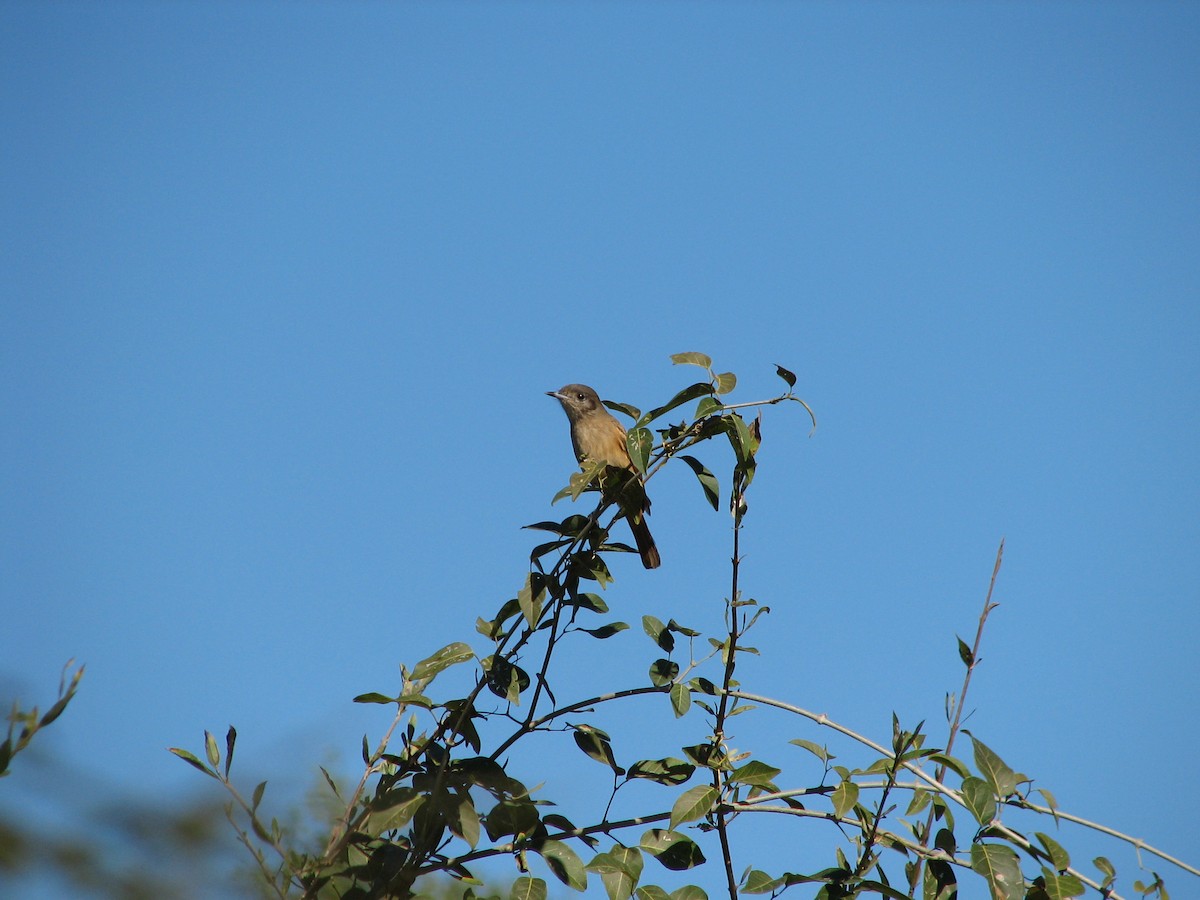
{"points": [[437, 795], [24, 724]]}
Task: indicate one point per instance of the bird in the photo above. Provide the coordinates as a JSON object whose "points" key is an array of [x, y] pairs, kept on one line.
{"points": [[598, 437]]}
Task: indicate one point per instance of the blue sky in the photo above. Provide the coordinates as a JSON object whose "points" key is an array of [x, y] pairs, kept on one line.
{"points": [[283, 287]]}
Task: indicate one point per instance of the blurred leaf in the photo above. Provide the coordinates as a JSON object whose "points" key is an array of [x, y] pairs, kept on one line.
{"points": [[526, 888], [694, 804], [681, 699], [787, 376], [190, 758], [964, 653], [565, 864], [230, 740], [1000, 868], [450, 655], [663, 672], [262, 787], [754, 772], [675, 851], [663, 771], [692, 358], [708, 481], [726, 382], [210, 749], [1107, 869]]}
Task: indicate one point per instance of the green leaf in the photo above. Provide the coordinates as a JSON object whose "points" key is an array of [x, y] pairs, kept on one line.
{"points": [[512, 817], [787, 376], [663, 672], [1002, 779], [681, 699], [689, 393], [565, 864], [450, 655], [393, 809], [955, 765], [605, 631], [465, 822], [663, 771], [210, 749], [689, 892], [726, 382], [190, 758], [619, 869], [814, 748], [980, 798], [998, 865], [526, 888], [258, 794], [596, 744], [652, 892], [692, 358], [1107, 869], [694, 804], [844, 796], [1060, 887], [658, 632], [675, 851], [640, 443], [707, 406], [373, 697], [632, 411], [708, 481], [964, 653], [531, 601], [1058, 856], [755, 773]]}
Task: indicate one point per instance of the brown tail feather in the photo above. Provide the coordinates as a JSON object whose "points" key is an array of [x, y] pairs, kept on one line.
{"points": [[645, 543]]}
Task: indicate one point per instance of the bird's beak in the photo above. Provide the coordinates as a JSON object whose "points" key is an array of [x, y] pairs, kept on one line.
{"points": [[555, 394]]}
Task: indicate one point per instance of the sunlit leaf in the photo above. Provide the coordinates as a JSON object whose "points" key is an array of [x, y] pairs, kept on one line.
{"points": [[694, 804], [726, 382], [448, 656], [565, 864], [980, 799], [754, 772], [692, 358], [675, 851], [999, 866], [681, 699]]}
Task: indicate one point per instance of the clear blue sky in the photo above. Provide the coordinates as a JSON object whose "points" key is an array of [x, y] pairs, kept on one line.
{"points": [[282, 287]]}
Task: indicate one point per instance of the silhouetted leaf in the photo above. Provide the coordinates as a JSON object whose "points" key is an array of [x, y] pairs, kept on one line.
{"points": [[664, 771], [787, 376]]}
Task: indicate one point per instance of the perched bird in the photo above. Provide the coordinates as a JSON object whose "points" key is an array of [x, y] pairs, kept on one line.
{"points": [[598, 437]]}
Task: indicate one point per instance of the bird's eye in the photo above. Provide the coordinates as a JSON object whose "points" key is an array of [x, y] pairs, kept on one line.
{"points": [[579, 397]]}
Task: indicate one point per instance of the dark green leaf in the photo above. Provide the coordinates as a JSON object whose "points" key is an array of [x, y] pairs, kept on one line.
{"points": [[373, 697], [955, 765], [595, 743], [688, 394], [964, 653], [1058, 856], [662, 771], [658, 632], [605, 631], [708, 481], [787, 376], [565, 864], [674, 850], [230, 740], [632, 411], [663, 672], [511, 817]]}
